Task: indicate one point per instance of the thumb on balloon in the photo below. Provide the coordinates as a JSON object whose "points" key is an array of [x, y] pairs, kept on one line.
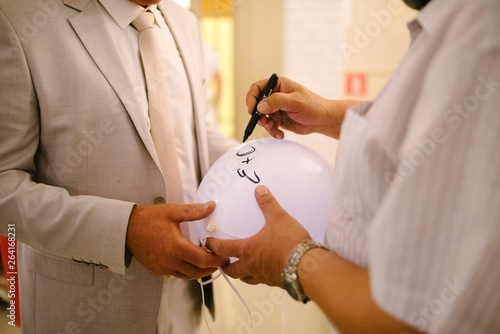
{"points": [[224, 247], [266, 201], [190, 212]]}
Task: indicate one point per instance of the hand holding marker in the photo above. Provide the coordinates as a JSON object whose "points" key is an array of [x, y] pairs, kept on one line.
{"points": [[268, 90]]}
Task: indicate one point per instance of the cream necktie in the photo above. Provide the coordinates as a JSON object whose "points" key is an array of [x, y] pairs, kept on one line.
{"points": [[160, 115]]}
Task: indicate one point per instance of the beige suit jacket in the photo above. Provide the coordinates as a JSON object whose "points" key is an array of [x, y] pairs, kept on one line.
{"points": [[75, 155]]}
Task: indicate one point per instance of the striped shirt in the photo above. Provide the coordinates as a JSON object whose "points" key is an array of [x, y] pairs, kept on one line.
{"points": [[417, 176]]}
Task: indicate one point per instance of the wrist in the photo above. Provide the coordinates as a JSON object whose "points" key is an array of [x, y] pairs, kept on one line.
{"points": [[290, 274], [134, 227], [334, 114], [330, 119]]}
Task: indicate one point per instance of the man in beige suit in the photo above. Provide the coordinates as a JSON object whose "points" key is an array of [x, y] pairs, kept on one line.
{"points": [[79, 173]]}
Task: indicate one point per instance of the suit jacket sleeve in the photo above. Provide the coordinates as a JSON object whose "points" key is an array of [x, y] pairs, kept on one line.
{"points": [[48, 218]]}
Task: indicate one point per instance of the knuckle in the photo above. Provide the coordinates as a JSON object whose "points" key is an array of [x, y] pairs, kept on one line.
{"points": [[191, 211], [212, 245], [266, 200]]}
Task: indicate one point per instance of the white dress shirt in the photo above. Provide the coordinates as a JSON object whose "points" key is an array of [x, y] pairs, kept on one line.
{"points": [[121, 14], [417, 176]]}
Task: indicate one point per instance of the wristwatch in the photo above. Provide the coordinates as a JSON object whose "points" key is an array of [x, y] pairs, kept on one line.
{"points": [[289, 276]]}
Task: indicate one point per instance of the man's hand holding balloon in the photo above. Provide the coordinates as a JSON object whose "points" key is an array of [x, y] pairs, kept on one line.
{"points": [[264, 255]]}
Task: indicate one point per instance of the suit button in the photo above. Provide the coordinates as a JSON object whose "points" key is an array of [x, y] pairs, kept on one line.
{"points": [[102, 266], [160, 200]]}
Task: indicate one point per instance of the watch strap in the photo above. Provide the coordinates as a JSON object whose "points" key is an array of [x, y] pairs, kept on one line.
{"points": [[289, 276]]}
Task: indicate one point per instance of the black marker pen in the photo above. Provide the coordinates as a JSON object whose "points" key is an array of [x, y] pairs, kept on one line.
{"points": [[268, 90]]}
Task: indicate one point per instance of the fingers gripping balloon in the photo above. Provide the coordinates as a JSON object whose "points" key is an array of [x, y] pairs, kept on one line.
{"points": [[299, 178]]}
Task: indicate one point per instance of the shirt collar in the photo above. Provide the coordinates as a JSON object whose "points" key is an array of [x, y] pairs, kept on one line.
{"points": [[432, 15], [124, 12]]}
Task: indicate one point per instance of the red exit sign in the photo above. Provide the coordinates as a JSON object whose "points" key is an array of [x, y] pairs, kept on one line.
{"points": [[356, 84]]}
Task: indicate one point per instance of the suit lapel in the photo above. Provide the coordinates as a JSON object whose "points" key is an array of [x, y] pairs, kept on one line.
{"points": [[181, 40], [190, 55], [90, 28]]}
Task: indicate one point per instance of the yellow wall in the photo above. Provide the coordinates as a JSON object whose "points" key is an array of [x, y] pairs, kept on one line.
{"points": [[219, 31], [258, 37]]}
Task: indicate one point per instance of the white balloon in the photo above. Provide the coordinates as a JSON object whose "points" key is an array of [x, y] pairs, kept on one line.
{"points": [[300, 179]]}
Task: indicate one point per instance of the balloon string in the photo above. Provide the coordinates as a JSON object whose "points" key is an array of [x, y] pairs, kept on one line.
{"points": [[210, 280], [240, 297], [221, 272], [283, 322]]}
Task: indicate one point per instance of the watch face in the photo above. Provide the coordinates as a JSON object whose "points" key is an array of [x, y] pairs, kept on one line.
{"points": [[288, 287]]}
